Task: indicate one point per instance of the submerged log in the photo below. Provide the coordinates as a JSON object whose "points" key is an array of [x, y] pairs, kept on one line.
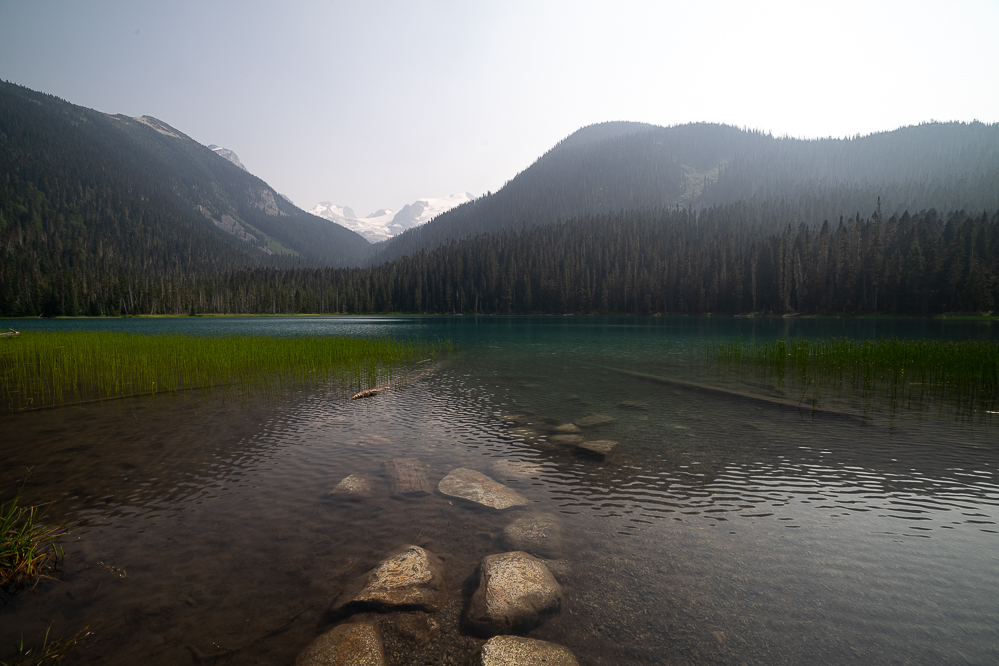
{"points": [[407, 476], [369, 393]]}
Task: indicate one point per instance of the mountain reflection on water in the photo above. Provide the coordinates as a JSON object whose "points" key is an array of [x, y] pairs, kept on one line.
{"points": [[722, 530]]}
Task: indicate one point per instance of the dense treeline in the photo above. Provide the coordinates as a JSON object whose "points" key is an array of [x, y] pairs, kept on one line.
{"points": [[632, 166], [725, 259]]}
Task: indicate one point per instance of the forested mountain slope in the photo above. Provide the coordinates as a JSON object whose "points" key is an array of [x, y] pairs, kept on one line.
{"points": [[104, 201], [612, 167], [732, 259]]}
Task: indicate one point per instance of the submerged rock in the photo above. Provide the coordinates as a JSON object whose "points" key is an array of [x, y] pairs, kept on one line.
{"points": [[525, 434], [355, 644], [598, 448], [633, 404], [595, 420], [539, 534], [516, 469], [407, 476], [519, 419], [415, 627], [519, 651], [567, 439], [516, 593], [353, 486], [477, 487], [410, 578], [568, 429]]}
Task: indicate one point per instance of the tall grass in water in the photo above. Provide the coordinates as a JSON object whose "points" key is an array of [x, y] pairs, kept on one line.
{"points": [[28, 549], [48, 369], [899, 373]]}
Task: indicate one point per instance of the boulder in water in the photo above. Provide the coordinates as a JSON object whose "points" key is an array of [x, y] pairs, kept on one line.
{"points": [[539, 534], [354, 644], [595, 420], [597, 448], [353, 486], [411, 578], [516, 593], [476, 487], [520, 651]]}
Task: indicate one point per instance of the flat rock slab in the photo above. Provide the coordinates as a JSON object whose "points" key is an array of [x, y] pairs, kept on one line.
{"points": [[568, 429], [539, 534], [476, 487], [567, 440], [410, 578], [353, 486], [516, 593], [407, 476], [519, 651], [594, 420], [356, 644], [516, 469], [599, 448]]}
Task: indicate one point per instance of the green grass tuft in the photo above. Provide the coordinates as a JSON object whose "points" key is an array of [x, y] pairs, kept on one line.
{"points": [[28, 549]]}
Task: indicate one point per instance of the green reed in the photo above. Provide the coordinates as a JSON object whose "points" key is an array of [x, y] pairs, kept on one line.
{"points": [[901, 373], [49, 369], [28, 548]]}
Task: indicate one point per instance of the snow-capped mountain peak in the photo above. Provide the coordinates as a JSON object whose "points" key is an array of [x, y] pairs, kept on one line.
{"points": [[228, 154], [384, 224]]}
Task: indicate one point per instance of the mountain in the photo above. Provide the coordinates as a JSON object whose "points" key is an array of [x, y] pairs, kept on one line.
{"points": [[227, 154], [384, 224], [617, 166], [88, 195]]}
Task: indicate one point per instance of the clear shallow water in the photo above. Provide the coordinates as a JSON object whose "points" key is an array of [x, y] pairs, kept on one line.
{"points": [[724, 530]]}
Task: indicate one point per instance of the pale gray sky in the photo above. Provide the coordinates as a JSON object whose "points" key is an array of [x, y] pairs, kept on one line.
{"points": [[375, 104]]}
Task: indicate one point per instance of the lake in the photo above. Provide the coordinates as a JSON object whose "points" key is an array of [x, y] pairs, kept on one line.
{"points": [[722, 530]]}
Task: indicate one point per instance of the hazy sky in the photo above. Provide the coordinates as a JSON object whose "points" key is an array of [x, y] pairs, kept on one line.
{"points": [[376, 104]]}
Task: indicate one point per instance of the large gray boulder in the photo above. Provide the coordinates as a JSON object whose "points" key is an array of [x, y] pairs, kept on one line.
{"points": [[516, 593], [519, 651], [539, 534], [411, 578], [476, 487], [355, 644]]}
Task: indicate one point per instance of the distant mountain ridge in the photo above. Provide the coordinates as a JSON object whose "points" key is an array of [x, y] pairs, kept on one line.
{"points": [[384, 224], [610, 167], [90, 195]]}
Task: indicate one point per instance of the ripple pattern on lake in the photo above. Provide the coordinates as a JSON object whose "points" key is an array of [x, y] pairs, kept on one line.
{"points": [[720, 531]]}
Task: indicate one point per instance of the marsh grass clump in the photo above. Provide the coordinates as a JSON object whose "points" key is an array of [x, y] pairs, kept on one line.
{"points": [[28, 548], [899, 373], [47, 650], [55, 368]]}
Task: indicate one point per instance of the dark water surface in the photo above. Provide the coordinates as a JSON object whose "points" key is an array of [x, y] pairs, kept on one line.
{"points": [[724, 530]]}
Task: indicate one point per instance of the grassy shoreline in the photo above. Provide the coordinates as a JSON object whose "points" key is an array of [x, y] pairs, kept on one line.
{"points": [[900, 372], [46, 369]]}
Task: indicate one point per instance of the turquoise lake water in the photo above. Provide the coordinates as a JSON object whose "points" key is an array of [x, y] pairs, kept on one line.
{"points": [[723, 529]]}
